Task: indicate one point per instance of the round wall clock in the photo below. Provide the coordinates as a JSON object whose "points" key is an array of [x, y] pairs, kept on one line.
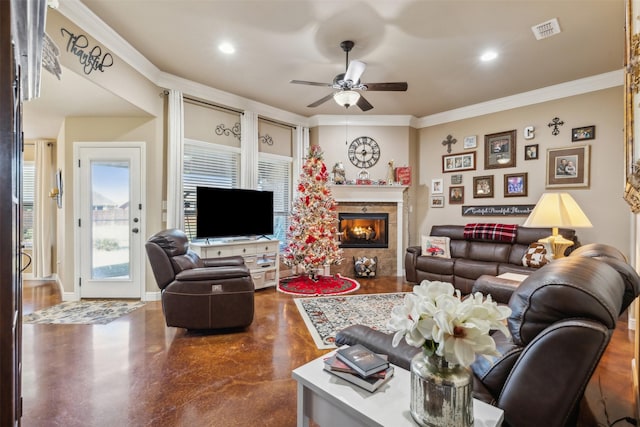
{"points": [[364, 152]]}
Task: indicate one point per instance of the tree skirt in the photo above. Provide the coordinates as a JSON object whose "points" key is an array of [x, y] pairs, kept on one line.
{"points": [[324, 285]]}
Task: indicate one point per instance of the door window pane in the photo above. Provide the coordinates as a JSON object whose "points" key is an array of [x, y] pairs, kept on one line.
{"points": [[110, 200]]}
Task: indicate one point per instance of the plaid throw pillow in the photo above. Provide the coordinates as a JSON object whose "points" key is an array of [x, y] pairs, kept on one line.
{"points": [[498, 232]]}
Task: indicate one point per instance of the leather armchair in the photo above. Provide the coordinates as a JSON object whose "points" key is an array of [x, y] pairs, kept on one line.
{"points": [[563, 316], [199, 293]]}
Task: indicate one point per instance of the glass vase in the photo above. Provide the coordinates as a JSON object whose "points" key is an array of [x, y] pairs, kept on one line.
{"points": [[440, 392]]}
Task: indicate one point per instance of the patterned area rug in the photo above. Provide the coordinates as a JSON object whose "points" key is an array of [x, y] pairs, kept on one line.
{"points": [[325, 316], [324, 285], [84, 312]]}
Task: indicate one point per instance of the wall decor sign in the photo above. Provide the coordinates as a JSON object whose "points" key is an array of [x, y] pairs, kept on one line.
{"points": [[498, 210], [515, 184], [568, 167], [482, 186], [456, 195], [91, 58], [583, 133], [500, 150], [469, 142], [458, 162]]}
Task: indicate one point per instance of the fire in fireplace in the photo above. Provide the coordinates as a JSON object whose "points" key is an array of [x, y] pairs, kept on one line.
{"points": [[364, 230]]}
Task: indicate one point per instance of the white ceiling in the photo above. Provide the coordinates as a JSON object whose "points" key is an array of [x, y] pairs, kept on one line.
{"points": [[432, 45]]}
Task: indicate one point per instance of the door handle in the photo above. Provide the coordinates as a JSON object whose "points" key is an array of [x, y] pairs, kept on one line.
{"points": [[135, 230]]}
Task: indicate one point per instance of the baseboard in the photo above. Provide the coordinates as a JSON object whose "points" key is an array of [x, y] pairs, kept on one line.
{"points": [[152, 296], [70, 296]]}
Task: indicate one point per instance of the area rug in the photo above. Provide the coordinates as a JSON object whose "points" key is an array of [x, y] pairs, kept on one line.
{"points": [[324, 285], [86, 312], [326, 316]]}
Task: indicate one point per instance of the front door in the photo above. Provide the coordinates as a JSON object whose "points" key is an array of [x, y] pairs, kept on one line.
{"points": [[110, 220]]}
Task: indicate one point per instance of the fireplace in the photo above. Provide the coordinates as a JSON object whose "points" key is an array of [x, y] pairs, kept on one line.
{"points": [[364, 230]]}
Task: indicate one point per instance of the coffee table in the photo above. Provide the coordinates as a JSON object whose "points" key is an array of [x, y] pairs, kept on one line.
{"points": [[331, 401]]}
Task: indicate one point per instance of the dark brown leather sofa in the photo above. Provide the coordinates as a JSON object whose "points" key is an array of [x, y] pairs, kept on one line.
{"points": [[471, 258], [563, 316], [199, 293]]}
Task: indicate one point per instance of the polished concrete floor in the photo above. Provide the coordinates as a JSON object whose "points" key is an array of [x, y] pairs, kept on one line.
{"points": [[135, 371]]}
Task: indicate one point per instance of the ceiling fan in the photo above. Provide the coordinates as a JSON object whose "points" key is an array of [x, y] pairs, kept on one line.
{"points": [[348, 84]]}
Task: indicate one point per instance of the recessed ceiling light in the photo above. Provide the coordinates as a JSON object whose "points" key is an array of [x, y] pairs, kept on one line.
{"points": [[226, 48], [489, 55]]}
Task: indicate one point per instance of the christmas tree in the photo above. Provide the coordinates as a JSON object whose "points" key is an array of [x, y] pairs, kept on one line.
{"points": [[312, 236]]}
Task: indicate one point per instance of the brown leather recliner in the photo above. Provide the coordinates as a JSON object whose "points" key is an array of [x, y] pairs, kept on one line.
{"points": [[563, 316], [199, 293]]}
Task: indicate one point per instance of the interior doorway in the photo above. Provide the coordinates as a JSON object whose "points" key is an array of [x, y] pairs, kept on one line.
{"points": [[108, 209]]}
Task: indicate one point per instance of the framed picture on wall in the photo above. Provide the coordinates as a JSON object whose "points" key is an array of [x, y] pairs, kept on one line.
{"points": [[568, 167], [583, 133], [482, 186], [437, 187], [456, 195], [531, 152], [515, 184], [458, 162], [500, 150], [437, 202]]}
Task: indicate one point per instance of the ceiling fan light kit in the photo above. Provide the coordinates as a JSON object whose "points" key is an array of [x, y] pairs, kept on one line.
{"points": [[348, 84], [346, 98]]}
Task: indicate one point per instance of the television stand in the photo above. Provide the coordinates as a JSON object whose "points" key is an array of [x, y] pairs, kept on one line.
{"points": [[260, 256]]}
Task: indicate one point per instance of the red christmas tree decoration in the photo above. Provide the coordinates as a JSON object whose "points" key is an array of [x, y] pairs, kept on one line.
{"points": [[312, 238]]}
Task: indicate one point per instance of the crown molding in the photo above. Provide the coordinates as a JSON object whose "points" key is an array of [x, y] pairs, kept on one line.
{"points": [[78, 13], [339, 120], [549, 93], [228, 99]]}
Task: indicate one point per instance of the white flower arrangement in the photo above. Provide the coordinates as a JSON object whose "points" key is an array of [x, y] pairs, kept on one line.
{"points": [[436, 318]]}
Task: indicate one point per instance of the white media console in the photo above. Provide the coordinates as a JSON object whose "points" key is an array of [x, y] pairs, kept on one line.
{"points": [[261, 256]]}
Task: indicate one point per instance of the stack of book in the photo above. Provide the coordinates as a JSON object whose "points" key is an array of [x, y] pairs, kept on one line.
{"points": [[360, 366]]}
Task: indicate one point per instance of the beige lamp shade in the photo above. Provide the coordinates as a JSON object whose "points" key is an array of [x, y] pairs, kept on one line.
{"points": [[557, 210]]}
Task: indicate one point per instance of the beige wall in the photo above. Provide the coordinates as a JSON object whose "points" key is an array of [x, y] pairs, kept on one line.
{"points": [[394, 142], [602, 201]]}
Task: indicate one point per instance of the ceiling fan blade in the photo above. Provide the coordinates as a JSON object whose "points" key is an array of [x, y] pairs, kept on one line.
{"points": [[355, 70], [304, 82], [364, 104], [394, 86], [321, 101]]}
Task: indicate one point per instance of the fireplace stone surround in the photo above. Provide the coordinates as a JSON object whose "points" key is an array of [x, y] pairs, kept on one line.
{"points": [[374, 199]]}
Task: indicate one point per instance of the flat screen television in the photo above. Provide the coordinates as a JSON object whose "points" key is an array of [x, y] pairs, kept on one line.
{"points": [[227, 213]]}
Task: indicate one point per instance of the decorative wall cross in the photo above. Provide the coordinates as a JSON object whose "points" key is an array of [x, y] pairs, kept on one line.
{"points": [[450, 140], [554, 124]]}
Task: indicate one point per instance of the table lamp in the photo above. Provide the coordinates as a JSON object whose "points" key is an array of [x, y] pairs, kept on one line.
{"points": [[557, 210]]}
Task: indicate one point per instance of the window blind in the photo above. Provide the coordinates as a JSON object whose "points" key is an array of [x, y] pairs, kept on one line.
{"points": [[28, 193], [274, 174], [206, 165]]}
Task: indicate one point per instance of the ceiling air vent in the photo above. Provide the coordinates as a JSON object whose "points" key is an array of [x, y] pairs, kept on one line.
{"points": [[546, 29]]}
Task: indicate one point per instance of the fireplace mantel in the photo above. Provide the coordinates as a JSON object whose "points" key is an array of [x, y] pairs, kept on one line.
{"points": [[369, 193], [377, 194]]}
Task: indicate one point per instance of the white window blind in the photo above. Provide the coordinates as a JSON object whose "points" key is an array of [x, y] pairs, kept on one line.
{"points": [[274, 174], [206, 165], [28, 191]]}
